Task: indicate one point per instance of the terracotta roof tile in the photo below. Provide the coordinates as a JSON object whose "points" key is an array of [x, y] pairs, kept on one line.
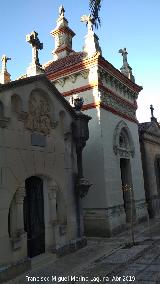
{"points": [[68, 61]]}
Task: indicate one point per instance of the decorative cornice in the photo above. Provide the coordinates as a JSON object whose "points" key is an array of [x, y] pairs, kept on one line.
{"points": [[149, 137], [119, 87], [116, 73], [116, 111], [66, 30], [116, 97]]}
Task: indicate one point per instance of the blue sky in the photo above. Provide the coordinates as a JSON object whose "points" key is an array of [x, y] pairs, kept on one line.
{"points": [[134, 24]]}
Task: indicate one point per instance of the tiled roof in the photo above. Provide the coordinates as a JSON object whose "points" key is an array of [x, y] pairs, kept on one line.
{"points": [[68, 61]]}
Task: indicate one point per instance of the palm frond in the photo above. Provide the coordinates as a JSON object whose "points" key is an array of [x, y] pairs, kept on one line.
{"points": [[95, 6]]}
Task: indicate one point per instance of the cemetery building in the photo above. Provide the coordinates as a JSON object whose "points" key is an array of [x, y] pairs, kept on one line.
{"points": [[112, 158], [41, 174], [51, 194], [149, 133]]}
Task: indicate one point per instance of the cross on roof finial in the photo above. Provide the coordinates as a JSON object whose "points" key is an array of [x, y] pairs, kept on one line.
{"points": [[152, 109], [61, 11], [89, 21], [33, 39], [124, 54], [4, 60]]}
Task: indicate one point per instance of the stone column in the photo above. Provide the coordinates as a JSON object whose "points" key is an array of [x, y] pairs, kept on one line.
{"points": [[20, 194], [52, 200]]}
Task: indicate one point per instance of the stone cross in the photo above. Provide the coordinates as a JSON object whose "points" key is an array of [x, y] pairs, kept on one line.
{"points": [[61, 11], [89, 22], [124, 54], [4, 60], [152, 109], [33, 39]]}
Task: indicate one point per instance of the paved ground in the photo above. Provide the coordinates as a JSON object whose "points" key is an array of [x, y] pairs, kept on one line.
{"points": [[106, 260]]}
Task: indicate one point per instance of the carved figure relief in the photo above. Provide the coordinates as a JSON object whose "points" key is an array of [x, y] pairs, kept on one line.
{"points": [[38, 118]]}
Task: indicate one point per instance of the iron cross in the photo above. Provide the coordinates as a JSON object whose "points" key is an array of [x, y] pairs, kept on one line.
{"points": [[152, 109], [33, 39]]}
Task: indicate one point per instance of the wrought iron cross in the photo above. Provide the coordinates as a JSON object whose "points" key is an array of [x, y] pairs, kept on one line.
{"points": [[4, 60], [124, 54], [33, 39], [61, 11], [152, 109]]}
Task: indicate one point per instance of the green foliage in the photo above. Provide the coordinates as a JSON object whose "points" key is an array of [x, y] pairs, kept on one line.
{"points": [[95, 6]]}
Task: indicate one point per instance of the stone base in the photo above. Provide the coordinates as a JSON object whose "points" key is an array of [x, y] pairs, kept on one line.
{"points": [[154, 207], [72, 246], [15, 269], [110, 221]]}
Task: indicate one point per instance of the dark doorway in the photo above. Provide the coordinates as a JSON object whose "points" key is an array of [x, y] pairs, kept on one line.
{"points": [[34, 216], [127, 188]]}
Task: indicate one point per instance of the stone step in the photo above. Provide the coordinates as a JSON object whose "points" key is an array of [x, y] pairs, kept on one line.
{"points": [[42, 259]]}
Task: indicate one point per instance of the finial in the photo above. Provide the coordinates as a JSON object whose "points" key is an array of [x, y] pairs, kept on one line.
{"points": [[89, 22], [61, 11], [126, 69], [4, 60], [124, 54], [152, 109]]}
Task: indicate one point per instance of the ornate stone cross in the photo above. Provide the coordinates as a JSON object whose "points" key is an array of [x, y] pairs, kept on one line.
{"points": [[124, 54], [89, 22], [152, 109], [4, 60], [33, 39]]}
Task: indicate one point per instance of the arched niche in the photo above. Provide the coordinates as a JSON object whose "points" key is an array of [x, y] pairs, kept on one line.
{"points": [[122, 141], [16, 104]]}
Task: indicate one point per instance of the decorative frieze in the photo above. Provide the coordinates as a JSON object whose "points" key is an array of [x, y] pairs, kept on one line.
{"points": [[72, 77], [116, 85], [118, 105]]}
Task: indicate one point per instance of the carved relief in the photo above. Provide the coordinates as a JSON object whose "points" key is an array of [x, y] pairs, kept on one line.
{"points": [[38, 118], [118, 105]]}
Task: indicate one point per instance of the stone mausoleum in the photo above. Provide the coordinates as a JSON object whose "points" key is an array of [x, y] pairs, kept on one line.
{"points": [[44, 120], [112, 158]]}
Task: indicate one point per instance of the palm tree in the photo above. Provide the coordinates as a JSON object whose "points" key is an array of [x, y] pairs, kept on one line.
{"points": [[95, 6]]}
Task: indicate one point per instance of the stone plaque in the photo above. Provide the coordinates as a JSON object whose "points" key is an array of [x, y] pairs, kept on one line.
{"points": [[38, 140]]}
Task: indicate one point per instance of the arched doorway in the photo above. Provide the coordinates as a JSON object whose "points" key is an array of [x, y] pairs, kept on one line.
{"points": [[123, 147], [34, 216]]}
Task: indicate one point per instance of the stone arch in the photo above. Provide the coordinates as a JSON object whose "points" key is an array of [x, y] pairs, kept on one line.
{"points": [[54, 219], [122, 140], [16, 104]]}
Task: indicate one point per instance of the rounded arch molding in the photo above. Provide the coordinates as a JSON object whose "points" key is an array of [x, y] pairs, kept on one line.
{"points": [[123, 151]]}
